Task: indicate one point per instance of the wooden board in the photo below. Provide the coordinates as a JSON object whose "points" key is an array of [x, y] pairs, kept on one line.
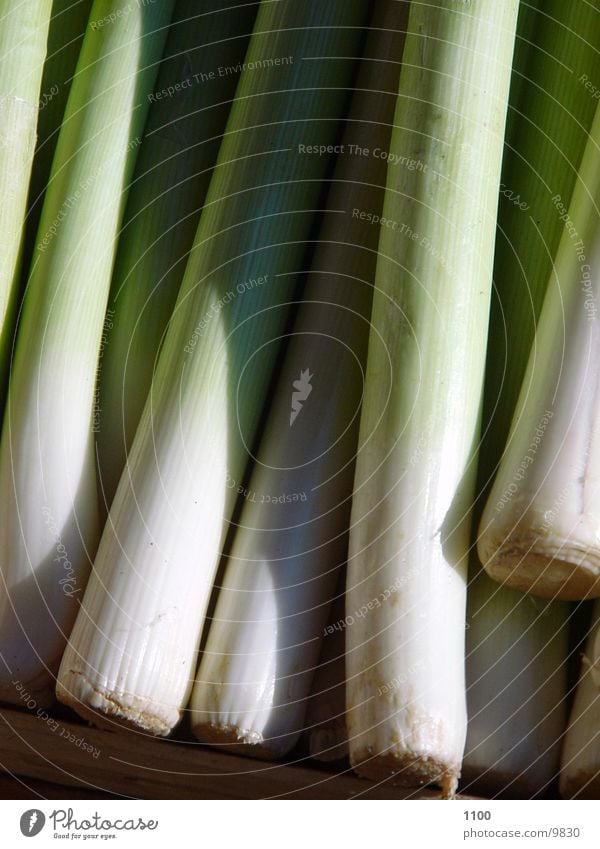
{"points": [[133, 765], [15, 787]]}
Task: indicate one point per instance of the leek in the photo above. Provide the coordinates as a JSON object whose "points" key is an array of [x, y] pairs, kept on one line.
{"points": [[49, 526], [580, 762], [23, 36], [67, 27], [517, 648], [132, 653], [185, 125], [409, 534], [264, 641], [539, 530], [552, 114]]}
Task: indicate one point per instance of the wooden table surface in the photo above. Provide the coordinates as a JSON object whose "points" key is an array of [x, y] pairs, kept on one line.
{"points": [[95, 763], [13, 787]]}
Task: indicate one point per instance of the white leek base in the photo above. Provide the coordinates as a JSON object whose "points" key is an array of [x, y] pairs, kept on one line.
{"points": [[108, 708], [406, 710], [552, 559]]}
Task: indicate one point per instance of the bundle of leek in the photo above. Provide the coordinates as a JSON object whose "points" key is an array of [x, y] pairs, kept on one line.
{"points": [[264, 641], [580, 762], [132, 653], [23, 36], [516, 647], [49, 525], [540, 527], [181, 143], [409, 535]]}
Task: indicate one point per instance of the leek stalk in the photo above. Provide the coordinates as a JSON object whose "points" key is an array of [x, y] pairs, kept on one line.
{"points": [[185, 125], [409, 534], [264, 641], [50, 526], [68, 24], [539, 529], [23, 37], [133, 651], [517, 648]]}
